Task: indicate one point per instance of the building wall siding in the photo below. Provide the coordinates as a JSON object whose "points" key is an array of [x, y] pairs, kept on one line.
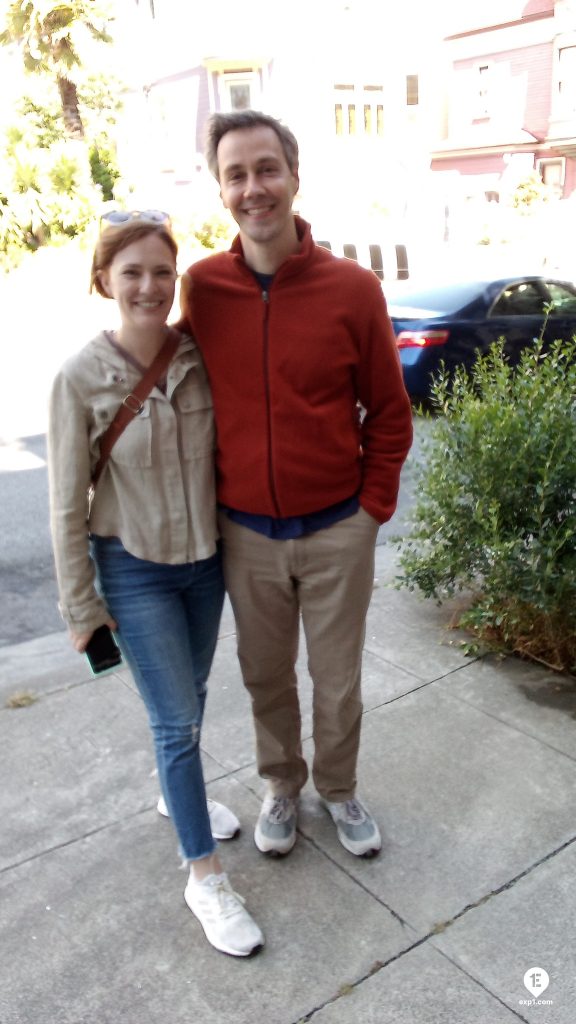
{"points": [[532, 67], [203, 108], [471, 164], [570, 178]]}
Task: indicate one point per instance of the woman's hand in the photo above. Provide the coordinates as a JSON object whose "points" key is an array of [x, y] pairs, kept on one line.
{"points": [[80, 641]]}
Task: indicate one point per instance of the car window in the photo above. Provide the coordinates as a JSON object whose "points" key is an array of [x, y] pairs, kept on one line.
{"points": [[564, 299], [522, 299], [439, 300]]}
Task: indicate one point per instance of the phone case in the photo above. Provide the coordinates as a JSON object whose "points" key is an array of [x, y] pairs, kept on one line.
{"points": [[102, 653]]}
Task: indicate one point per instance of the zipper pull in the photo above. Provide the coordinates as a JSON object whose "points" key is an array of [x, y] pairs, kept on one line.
{"points": [[265, 296]]}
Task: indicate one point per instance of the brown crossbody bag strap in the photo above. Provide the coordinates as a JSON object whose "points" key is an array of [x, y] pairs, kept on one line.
{"points": [[132, 404]]}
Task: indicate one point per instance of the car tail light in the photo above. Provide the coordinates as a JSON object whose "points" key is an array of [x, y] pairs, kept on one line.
{"points": [[421, 339]]}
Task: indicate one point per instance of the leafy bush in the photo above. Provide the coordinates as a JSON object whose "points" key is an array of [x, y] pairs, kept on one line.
{"points": [[52, 186], [495, 512], [216, 232], [45, 196], [531, 191], [42, 121], [104, 168]]}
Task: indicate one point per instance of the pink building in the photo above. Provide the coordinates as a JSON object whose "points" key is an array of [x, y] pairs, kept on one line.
{"points": [[510, 100]]}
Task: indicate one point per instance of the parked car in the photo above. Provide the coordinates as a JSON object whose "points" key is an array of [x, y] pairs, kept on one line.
{"points": [[452, 323]]}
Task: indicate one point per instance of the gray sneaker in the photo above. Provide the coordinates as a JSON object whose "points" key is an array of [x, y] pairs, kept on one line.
{"points": [[275, 832], [357, 830]]}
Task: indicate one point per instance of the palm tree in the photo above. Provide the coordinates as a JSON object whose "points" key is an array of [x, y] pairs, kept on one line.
{"points": [[51, 37]]}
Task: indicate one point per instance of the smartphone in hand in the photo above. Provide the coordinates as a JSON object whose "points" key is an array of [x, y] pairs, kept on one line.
{"points": [[102, 652]]}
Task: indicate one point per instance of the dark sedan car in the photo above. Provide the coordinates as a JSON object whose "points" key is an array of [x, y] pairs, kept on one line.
{"points": [[453, 323]]}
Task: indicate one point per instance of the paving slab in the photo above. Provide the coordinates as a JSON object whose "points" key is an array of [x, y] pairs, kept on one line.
{"points": [[465, 803], [383, 681], [414, 633], [419, 987], [49, 663], [43, 665], [535, 700], [468, 765], [228, 732], [529, 926], [97, 933], [78, 760]]}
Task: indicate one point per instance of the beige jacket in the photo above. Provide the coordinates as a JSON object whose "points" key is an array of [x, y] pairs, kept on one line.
{"points": [[156, 492]]}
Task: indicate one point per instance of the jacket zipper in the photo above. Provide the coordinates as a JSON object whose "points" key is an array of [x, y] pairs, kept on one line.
{"points": [[266, 301]]}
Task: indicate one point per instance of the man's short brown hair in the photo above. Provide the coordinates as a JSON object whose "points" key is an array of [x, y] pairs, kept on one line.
{"points": [[219, 124]]}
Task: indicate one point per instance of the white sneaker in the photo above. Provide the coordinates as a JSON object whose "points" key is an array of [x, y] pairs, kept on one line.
{"points": [[223, 821], [220, 910]]}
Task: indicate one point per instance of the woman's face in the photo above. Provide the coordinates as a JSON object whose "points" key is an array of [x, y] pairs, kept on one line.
{"points": [[142, 279]]}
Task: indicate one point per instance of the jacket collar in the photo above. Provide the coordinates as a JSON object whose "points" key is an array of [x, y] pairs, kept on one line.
{"points": [[115, 360], [295, 264]]}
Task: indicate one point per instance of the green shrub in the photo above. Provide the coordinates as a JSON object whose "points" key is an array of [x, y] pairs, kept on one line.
{"points": [[216, 232], [52, 186], [46, 196], [104, 167], [495, 512]]}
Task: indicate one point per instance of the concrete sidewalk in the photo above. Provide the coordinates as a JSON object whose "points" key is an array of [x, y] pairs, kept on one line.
{"points": [[470, 767]]}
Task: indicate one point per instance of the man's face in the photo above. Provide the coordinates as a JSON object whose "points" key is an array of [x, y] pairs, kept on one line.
{"points": [[256, 183]]}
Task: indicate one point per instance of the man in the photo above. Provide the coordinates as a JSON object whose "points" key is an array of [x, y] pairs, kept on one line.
{"points": [[313, 426]]}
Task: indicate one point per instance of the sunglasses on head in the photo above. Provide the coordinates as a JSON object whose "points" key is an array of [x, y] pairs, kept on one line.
{"points": [[116, 217]]}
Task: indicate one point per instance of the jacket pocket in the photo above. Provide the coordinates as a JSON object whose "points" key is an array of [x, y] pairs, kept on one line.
{"points": [[134, 446], [193, 406]]}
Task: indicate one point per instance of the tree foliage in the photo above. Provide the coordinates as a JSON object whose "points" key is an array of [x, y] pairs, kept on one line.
{"points": [[531, 193], [52, 40], [57, 160]]}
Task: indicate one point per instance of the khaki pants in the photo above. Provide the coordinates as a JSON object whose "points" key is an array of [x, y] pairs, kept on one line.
{"points": [[327, 577]]}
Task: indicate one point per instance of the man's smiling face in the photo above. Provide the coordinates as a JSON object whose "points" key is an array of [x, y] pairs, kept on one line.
{"points": [[257, 185]]}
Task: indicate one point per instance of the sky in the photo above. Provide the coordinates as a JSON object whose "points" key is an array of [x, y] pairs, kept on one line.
{"points": [[183, 34]]}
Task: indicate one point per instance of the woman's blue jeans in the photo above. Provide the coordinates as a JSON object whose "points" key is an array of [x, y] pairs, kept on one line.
{"points": [[168, 618]]}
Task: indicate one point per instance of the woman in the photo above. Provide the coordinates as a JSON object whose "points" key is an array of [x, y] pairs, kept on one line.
{"points": [[145, 561]]}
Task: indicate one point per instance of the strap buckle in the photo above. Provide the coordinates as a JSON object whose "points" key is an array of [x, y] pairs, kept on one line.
{"points": [[133, 404]]}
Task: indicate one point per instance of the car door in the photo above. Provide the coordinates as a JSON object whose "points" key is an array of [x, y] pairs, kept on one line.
{"points": [[518, 315], [561, 321]]}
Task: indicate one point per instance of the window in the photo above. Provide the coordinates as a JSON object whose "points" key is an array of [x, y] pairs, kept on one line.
{"points": [[524, 299], [367, 119], [552, 172], [357, 110], [564, 300], [412, 90], [567, 79], [239, 93], [351, 119], [483, 91], [240, 89]]}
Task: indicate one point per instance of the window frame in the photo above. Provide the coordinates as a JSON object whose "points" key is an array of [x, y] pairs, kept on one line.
{"points": [[244, 77], [358, 110]]}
